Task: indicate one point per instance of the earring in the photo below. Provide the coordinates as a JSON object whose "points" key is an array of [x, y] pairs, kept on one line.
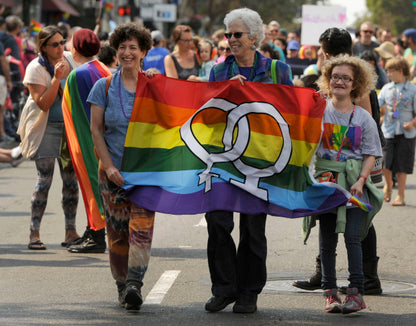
{"points": [[253, 47]]}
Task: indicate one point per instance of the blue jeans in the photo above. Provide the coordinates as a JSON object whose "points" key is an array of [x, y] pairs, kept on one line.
{"points": [[328, 244]]}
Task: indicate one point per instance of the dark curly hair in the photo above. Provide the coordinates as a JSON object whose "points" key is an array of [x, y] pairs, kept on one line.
{"points": [[130, 31], [335, 41]]}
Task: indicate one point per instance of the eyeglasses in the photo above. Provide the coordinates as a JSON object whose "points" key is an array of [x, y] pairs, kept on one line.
{"points": [[56, 44], [345, 79], [221, 48], [236, 35], [369, 32]]}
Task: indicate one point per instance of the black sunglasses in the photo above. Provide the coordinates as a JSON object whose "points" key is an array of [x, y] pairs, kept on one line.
{"points": [[369, 32], [56, 44], [221, 48], [236, 35]]}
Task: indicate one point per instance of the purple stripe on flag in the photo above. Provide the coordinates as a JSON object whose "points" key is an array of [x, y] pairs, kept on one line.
{"points": [[159, 200]]}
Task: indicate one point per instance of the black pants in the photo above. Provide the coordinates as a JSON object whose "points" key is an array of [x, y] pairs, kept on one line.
{"points": [[369, 246], [242, 271]]}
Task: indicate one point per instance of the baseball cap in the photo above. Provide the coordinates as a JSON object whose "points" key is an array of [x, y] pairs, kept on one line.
{"points": [[157, 36], [410, 32], [293, 45]]}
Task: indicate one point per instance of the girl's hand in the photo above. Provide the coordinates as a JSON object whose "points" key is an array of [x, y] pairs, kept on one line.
{"points": [[114, 176], [241, 78], [194, 78], [151, 72], [322, 94], [357, 188]]}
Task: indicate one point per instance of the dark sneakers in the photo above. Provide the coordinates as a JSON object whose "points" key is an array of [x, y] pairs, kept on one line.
{"points": [[92, 242], [88, 246], [245, 304], [133, 297], [218, 303], [121, 286]]}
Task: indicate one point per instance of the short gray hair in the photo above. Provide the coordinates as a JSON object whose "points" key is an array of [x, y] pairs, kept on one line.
{"points": [[251, 19]]}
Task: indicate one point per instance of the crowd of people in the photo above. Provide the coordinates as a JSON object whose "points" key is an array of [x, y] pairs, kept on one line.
{"points": [[80, 87]]}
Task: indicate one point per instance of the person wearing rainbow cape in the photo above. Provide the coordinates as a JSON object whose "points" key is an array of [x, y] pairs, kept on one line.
{"points": [[346, 155], [77, 113]]}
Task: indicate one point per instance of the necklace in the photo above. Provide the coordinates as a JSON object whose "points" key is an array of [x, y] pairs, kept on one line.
{"points": [[396, 101], [121, 99], [235, 67], [344, 136]]}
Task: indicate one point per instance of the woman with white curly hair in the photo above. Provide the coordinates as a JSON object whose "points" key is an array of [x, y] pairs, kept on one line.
{"points": [[240, 275]]}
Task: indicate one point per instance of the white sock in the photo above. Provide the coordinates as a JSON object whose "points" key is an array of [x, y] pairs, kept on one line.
{"points": [[16, 152]]}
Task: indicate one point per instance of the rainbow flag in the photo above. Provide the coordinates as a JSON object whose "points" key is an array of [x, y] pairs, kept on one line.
{"points": [[35, 27], [197, 147], [77, 125]]}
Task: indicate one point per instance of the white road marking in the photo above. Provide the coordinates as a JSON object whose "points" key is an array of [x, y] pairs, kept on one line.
{"points": [[161, 287], [202, 222]]}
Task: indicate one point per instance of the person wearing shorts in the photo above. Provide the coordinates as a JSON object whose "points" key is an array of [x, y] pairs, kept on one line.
{"points": [[397, 100]]}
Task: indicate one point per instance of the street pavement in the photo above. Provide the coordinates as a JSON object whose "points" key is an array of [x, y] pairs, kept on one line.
{"points": [[55, 287]]}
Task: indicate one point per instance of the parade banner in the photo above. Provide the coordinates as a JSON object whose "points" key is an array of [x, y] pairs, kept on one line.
{"points": [[197, 147], [316, 19], [76, 113]]}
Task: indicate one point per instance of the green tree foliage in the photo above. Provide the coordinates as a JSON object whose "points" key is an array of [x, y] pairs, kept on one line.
{"points": [[284, 11], [397, 15]]}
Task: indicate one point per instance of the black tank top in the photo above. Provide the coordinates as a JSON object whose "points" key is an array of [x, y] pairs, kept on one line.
{"points": [[184, 73]]}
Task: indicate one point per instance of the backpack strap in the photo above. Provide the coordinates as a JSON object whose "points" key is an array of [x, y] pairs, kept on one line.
{"points": [[107, 84], [273, 71]]}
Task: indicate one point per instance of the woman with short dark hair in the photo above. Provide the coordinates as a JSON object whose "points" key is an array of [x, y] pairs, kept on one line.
{"points": [[129, 227]]}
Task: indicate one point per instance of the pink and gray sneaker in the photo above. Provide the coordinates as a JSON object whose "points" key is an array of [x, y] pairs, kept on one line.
{"points": [[353, 301], [332, 301]]}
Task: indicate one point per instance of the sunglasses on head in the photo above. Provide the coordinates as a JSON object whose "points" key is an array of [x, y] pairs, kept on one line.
{"points": [[236, 35], [221, 48], [56, 44]]}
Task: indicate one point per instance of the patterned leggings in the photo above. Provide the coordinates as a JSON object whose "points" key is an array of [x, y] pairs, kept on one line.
{"points": [[129, 232], [45, 168]]}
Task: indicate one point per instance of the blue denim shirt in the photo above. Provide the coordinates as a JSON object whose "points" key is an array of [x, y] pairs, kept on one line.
{"points": [[221, 71], [405, 105]]}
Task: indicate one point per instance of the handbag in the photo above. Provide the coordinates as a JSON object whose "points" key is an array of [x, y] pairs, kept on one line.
{"points": [[32, 126]]}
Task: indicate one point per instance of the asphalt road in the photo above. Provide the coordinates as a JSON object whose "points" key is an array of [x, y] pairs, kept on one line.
{"points": [[55, 287]]}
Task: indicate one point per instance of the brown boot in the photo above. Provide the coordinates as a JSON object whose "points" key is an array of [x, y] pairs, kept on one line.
{"points": [[314, 282]]}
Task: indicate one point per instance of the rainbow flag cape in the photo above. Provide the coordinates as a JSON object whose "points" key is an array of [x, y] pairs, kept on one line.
{"points": [[76, 113], [197, 147]]}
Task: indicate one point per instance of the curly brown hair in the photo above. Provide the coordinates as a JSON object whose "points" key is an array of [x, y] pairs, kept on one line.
{"points": [[365, 77], [130, 31]]}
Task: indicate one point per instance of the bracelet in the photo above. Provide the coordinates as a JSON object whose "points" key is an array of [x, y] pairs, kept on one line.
{"points": [[361, 176]]}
